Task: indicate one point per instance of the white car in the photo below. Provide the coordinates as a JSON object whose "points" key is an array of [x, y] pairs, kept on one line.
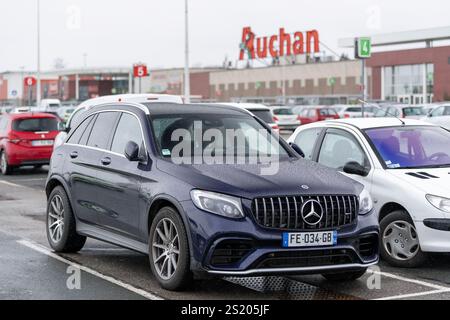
{"points": [[130, 98], [405, 165], [440, 115], [285, 118], [401, 111], [259, 110], [354, 111]]}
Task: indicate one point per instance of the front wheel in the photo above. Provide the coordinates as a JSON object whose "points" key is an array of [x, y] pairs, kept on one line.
{"points": [[345, 276], [400, 245], [169, 251]]}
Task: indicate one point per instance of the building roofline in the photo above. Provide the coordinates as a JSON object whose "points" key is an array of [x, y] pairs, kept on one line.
{"points": [[404, 37]]}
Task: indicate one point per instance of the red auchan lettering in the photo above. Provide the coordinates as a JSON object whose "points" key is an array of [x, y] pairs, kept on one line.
{"points": [[278, 45]]}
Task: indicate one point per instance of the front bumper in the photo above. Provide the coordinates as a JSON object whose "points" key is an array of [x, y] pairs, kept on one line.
{"points": [[228, 247], [431, 238]]}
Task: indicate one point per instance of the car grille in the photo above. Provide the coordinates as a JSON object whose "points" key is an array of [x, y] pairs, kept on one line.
{"points": [[285, 213]]}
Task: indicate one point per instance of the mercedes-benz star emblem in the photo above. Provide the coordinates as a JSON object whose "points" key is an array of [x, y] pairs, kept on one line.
{"points": [[312, 212]]}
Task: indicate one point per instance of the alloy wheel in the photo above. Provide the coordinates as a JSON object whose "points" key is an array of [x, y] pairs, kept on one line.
{"points": [[165, 249], [400, 240], [3, 162], [56, 218]]}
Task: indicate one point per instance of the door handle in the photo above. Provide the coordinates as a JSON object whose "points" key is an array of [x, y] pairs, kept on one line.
{"points": [[74, 155], [106, 161]]}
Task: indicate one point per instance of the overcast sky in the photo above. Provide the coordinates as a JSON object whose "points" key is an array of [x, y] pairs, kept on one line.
{"points": [[120, 32]]}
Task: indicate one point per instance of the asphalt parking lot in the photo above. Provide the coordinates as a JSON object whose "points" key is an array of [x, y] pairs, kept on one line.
{"points": [[30, 270]]}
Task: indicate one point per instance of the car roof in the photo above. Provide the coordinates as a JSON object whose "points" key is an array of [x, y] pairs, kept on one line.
{"points": [[167, 108], [132, 98], [370, 123]]}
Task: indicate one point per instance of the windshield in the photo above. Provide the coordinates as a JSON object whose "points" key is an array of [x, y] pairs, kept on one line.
{"points": [[412, 147], [380, 113], [264, 115], [35, 125], [185, 135]]}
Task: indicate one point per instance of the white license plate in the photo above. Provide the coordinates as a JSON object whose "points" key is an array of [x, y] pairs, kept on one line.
{"points": [[309, 239], [42, 143]]}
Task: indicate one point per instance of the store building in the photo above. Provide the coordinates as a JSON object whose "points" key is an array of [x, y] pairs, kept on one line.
{"points": [[419, 74]]}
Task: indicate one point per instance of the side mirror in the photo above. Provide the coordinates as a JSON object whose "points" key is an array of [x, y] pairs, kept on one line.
{"points": [[132, 151], [297, 149], [356, 169]]}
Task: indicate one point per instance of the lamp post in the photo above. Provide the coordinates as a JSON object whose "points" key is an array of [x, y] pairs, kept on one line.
{"points": [[38, 87], [187, 84]]}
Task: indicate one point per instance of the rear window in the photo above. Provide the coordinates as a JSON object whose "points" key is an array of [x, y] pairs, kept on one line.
{"points": [[414, 111], [283, 112], [354, 109], [35, 125], [264, 115]]}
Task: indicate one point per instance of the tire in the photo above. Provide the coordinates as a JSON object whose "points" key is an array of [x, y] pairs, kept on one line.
{"points": [[5, 168], [388, 227], [345, 276], [66, 239], [163, 254]]}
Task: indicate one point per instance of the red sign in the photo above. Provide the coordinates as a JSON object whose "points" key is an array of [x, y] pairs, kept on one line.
{"points": [[140, 71], [30, 81], [279, 45]]}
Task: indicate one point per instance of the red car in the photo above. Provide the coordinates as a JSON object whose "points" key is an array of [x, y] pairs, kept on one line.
{"points": [[315, 114], [26, 139]]}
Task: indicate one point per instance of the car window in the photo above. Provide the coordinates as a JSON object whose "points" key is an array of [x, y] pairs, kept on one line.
{"points": [[35, 124], [101, 132], [264, 115], [340, 148], [447, 111], [413, 111], [283, 112], [438, 112], [87, 133], [332, 112], [312, 113], [354, 109], [323, 112], [128, 129], [306, 140], [393, 112], [78, 133]]}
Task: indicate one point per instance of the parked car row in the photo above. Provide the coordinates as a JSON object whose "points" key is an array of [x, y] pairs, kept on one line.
{"points": [[345, 190]]}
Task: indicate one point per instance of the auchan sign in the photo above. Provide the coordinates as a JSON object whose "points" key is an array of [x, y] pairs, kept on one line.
{"points": [[282, 44]]}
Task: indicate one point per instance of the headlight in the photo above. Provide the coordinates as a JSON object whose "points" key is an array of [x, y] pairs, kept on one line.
{"points": [[219, 204], [365, 202], [440, 203]]}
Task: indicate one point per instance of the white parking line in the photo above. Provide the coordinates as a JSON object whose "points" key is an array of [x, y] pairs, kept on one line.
{"points": [[46, 251], [418, 282], [412, 295], [11, 184]]}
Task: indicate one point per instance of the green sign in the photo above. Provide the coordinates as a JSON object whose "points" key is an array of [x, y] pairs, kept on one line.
{"points": [[258, 85], [364, 48], [331, 81]]}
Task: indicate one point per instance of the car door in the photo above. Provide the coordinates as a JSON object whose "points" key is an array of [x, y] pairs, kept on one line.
{"points": [[119, 179], [339, 147], [85, 148]]}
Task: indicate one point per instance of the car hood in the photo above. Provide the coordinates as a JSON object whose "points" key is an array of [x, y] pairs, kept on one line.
{"points": [[430, 181], [294, 177]]}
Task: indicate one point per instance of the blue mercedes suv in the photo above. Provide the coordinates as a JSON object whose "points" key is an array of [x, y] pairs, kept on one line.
{"points": [[140, 176]]}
